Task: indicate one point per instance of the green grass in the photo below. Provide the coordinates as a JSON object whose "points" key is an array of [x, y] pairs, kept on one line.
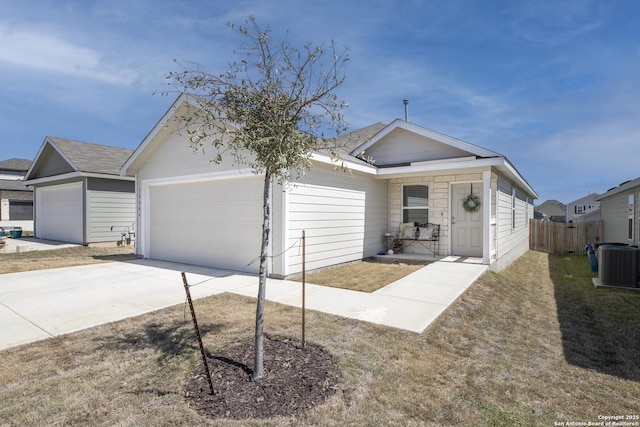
{"points": [[600, 326]]}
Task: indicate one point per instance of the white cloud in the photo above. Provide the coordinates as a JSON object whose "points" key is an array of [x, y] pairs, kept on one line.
{"points": [[48, 53], [550, 21]]}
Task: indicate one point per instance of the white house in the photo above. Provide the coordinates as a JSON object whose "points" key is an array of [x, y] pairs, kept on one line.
{"points": [[16, 200], [551, 210], [194, 211], [585, 208], [620, 213], [79, 195]]}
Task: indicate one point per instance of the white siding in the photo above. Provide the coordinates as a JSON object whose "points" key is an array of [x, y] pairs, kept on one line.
{"points": [[176, 158], [402, 146], [511, 242], [614, 211], [176, 162], [344, 217]]}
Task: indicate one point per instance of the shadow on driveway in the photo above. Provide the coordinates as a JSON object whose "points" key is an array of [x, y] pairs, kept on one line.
{"points": [[600, 327]]}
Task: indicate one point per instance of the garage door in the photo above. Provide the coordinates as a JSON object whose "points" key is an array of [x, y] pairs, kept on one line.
{"points": [[21, 210], [59, 212], [216, 223]]}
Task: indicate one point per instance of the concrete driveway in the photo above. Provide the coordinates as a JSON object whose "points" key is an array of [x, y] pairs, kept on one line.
{"points": [[41, 304]]}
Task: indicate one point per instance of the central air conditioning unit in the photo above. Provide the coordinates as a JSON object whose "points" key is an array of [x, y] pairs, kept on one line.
{"points": [[619, 266]]}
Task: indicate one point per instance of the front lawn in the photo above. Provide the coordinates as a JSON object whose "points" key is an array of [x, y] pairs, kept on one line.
{"points": [[67, 257], [530, 346], [364, 276]]}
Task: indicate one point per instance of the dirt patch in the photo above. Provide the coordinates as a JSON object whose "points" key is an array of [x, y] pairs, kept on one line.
{"points": [[296, 379]]}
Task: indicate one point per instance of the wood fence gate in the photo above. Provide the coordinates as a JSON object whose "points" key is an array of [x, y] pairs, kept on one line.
{"points": [[561, 239]]}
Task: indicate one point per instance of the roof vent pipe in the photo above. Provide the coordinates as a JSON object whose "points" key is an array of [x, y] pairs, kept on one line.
{"points": [[406, 109]]}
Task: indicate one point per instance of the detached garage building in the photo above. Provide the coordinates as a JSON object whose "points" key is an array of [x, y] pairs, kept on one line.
{"points": [[79, 195]]}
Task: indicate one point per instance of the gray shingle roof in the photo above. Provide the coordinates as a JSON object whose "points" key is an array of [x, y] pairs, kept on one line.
{"points": [[15, 164], [93, 158], [353, 140], [552, 208], [620, 188], [12, 185]]}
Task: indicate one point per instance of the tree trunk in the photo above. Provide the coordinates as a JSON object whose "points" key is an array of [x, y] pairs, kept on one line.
{"points": [[258, 357]]}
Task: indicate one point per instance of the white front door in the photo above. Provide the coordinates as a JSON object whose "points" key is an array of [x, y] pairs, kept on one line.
{"points": [[466, 227]]}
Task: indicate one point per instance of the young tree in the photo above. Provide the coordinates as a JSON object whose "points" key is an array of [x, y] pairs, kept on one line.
{"points": [[269, 111]]}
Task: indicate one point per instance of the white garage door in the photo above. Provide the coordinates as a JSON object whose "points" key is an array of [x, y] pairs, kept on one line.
{"points": [[216, 223], [59, 212]]}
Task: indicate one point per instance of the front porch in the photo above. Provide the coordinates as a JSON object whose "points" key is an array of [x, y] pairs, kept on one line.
{"points": [[408, 258]]}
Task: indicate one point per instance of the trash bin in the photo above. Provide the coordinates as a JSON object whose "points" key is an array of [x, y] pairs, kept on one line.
{"points": [[593, 260], [15, 234]]}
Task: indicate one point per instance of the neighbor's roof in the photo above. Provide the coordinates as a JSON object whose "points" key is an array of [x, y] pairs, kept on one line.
{"points": [[13, 185], [80, 158], [620, 188], [552, 208], [88, 157], [15, 164]]}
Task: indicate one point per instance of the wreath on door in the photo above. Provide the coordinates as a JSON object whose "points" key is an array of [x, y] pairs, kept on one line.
{"points": [[471, 204]]}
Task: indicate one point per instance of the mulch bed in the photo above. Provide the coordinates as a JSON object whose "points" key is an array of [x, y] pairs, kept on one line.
{"points": [[295, 380]]}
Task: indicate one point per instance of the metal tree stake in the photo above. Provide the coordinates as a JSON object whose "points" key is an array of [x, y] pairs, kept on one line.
{"points": [[303, 286], [195, 324]]}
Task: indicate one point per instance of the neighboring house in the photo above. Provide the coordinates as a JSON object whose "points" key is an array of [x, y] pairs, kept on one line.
{"points": [[552, 210], [194, 211], [79, 194], [620, 213], [586, 208], [16, 200]]}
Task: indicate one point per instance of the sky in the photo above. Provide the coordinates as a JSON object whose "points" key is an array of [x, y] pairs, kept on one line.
{"points": [[552, 85]]}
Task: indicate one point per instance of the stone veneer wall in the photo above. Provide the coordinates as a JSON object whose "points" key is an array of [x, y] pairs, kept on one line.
{"points": [[438, 203]]}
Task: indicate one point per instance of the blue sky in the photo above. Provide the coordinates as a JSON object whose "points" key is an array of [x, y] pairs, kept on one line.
{"points": [[553, 85]]}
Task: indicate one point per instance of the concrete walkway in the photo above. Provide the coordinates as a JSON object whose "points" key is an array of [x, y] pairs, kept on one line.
{"points": [[40, 304], [26, 244]]}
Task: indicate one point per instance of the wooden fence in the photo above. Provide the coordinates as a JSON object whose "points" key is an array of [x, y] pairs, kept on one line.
{"points": [[562, 239]]}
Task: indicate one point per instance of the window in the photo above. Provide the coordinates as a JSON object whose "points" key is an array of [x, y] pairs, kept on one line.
{"points": [[630, 216], [513, 208], [579, 209], [415, 203]]}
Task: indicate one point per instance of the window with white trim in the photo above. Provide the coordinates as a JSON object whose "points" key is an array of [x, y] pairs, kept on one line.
{"points": [[415, 203], [513, 207], [630, 215]]}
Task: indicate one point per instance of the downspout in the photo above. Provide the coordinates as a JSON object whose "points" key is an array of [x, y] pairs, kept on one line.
{"points": [[284, 223], [486, 215], [85, 211]]}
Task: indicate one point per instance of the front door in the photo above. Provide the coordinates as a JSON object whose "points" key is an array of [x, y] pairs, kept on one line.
{"points": [[466, 226]]}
